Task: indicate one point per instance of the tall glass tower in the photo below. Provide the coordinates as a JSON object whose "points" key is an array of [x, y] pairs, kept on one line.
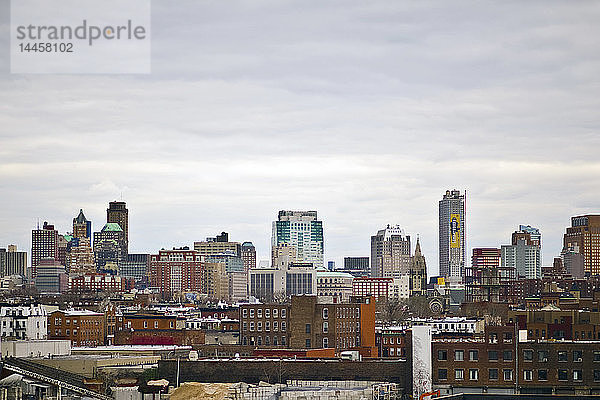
{"points": [[303, 231]]}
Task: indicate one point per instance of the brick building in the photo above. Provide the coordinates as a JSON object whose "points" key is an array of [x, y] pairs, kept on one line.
{"points": [[97, 282], [82, 327], [307, 324]]}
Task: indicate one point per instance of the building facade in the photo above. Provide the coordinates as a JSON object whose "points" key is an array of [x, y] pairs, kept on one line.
{"points": [[117, 213], [390, 253], [24, 322], [583, 237], [452, 235], [337, 285], [304, 232], [248, 256], [523, 255], [110, 246], [83, 328], [44, 244], [13, 262], [176, 270]]}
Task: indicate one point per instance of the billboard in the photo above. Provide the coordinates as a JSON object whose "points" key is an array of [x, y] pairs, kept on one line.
{"points": [[455, 231]]}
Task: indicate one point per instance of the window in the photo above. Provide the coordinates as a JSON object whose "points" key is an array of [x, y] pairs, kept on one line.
{"points": [[527, 375], [563, 356], [155, 324], [283, 327], [507, 355], [473, 374], [244, 312], [528, 355], [307, 343], [492, 355], [577, 375], [259, 313], [172, 325], [145, 324], [268, 326], [508, 374], [543, 356], [275, 326], [597, 375], [245, 326], [252, 313], [251, 326], [259, 326], [325, 313], [577, 355], [473, 355], [268, 313], [283, 313], [493, 374], [596, 356], [274, 340], [307, 328], [385, 340], [459, 355], [325, 327], [563, 375], [542, 374], [259, 340], [442, 374], [392, 352], [275, 313], [283, 339], [325, 342], [442, 355], [459, 374]]}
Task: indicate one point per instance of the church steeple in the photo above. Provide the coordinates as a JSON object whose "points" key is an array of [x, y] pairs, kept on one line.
{"points": [[418, 248]]}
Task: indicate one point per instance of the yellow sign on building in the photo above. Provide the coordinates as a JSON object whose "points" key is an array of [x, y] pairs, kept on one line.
{"points": [[455, 231]]}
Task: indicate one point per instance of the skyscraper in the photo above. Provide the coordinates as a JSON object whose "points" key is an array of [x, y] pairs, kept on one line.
{"points": [[80, 256], [117, 213], [110, 246], [524, 255], [390, 253], [44, 244], [248, 256], [82, 228], [452, 235], [583, 237], [302, 230], [12, 262]]}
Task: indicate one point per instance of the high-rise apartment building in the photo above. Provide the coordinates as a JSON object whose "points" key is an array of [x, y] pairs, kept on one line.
{"points": [[248, 256], [12, 262], [390, 253], [524, 255], [44, 244], [176, 270], [135, 266], [117, 213], [452, 235], [302, 230], [583, 237]]}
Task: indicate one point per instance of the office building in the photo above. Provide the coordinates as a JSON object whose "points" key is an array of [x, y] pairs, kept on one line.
{"points": [[357, 263], [379, 288], [524, 255], [303, 231], [248, 256], [218, 245], [583, 237], [117, 213], [266, 283], [230, 260], [283, 255], [452, 235], [337, 285], [487, 280], [390, 253], [80, 256], [44, 244], [135, 266], [12, 262], [82, 228], [110, 245], [51, 277], [215, 282]]}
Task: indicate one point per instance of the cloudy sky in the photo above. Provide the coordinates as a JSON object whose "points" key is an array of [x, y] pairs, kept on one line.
{"points": [[364, 111]]}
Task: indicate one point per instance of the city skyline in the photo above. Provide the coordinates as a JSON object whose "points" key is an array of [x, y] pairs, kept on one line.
{"points": [[264, 254]]}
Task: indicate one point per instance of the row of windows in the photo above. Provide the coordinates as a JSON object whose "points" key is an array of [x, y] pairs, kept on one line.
{"points": [[459, 374], [563, 355], [267, 313], [459, 355], [259, 326], [268, 341], [398, 340]]}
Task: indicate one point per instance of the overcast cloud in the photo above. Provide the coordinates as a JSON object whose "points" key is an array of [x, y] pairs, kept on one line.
{"points": [[364, 111]]}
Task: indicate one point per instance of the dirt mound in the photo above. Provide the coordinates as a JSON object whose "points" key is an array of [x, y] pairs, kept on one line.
{"points": [[197, 391]]}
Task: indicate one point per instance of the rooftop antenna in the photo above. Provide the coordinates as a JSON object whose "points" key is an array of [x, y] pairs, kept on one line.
{"points": [[38, 225]]}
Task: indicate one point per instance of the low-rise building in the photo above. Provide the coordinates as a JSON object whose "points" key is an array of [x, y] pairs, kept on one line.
{"points": [[24, 322], [81, 327]]}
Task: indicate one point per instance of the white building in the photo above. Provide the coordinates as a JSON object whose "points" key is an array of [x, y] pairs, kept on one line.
{"points": [[400, 287], [335, 284], [24, 322]]}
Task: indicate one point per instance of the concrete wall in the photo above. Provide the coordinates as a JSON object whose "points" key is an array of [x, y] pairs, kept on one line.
{"points": [[35, 348], [275, 371]]}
